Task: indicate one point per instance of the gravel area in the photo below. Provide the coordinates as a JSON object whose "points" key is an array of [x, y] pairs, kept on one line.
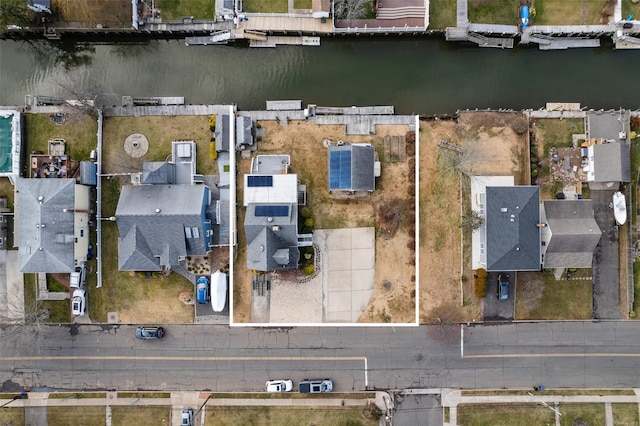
{"points": [[293, 302]]}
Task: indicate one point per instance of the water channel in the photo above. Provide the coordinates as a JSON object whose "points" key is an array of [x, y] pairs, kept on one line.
{"points": [[425, 76]]}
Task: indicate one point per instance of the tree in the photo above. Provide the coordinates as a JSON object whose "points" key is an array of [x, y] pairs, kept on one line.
{"points": [[350, 10], [23, 327], [13, 12], [471, 220], [444, 321]]}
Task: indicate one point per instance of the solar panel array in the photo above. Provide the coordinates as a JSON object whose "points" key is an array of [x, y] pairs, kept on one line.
{"points": [[340, 170], [263, 181], [272, 211]]}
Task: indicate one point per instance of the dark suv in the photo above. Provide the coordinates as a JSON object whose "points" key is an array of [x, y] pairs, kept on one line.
{"points": [[503, 286]]}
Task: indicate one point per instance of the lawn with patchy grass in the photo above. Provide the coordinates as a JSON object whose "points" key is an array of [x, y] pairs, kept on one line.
{"points": [[629, 7], [12, 416], [59, 310], [625, 414], [504, 415], [265, 6], [442, 14], [302, 4], [493, 12], [81, 415], [636, 288], [267, 416], [550, 392], [6, 190], [76, 395], [79, 131], [173, 10], [141, 415], [562, 12], [540, 297], [593, 414]]}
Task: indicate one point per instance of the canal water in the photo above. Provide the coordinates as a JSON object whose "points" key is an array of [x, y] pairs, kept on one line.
{"points": [[424, 76]]}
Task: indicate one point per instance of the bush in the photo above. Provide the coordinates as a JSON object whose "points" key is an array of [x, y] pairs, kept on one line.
{"points": [[308, 222], [308, 270], [305, 212], [632, 314], [480, 284]]}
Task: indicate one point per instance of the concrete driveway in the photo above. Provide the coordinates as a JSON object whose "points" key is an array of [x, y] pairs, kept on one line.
{"points": [[606, 269], [499, 310]]}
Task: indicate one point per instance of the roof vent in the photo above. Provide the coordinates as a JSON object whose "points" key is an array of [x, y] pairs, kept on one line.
{"points": [[40, 199], [503, 209], [157, 210], [269, 219], [40, 248], [261, 248]]}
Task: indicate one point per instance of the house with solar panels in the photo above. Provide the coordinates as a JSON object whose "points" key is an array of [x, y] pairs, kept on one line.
{"points": [[352, 167], [271, 222]]}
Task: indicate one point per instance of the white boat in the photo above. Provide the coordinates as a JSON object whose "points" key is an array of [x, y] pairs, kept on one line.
{"points": [[218, 291], [619, 208]]}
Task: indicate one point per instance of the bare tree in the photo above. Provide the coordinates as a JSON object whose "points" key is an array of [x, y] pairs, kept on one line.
{"points": [[23, 327], [13, 12], [444, 321], [85, 92], [471, 220], [350, 10]]}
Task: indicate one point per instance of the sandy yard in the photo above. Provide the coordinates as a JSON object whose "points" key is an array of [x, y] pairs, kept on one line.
{"points": [[491, 147], [394, 299]]}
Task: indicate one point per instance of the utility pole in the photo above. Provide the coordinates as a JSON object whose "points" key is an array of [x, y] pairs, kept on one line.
{"points": [[555, 410]]}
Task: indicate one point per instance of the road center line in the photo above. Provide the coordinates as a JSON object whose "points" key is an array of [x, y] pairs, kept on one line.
{"points": [[181, 358], [576, 355]]}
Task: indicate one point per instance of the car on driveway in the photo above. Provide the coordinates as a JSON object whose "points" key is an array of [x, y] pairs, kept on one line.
{"points": [[503, 286], [78, 303], [279, 386], [202, 290], [186, 418], [146, 333]]}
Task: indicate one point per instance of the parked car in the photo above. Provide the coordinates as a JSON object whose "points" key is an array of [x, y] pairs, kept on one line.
{"points": [[279, 386], [202, 290], [146, 333], [90, 252], [78, 303], [186, 418], [503, 286], [315, 386], [78, 278]]}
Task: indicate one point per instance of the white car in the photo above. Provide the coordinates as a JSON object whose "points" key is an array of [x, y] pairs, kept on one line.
{"points": [[279, 386], [78, 303]]}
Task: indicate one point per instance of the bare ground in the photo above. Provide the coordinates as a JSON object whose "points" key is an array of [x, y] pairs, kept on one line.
{"points": [[395, 255]]}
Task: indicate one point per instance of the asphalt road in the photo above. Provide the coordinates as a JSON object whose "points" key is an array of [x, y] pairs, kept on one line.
{"points": [[205, 357]]}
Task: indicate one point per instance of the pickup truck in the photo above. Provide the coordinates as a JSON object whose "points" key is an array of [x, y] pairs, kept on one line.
{"points": [[315, 386]]}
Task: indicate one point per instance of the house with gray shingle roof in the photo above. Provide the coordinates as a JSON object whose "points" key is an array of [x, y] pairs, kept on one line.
{"points": [[512, 215], [51, 224], [352, 167], [607, 156], [570, 234], [272, 236], [160, 225]]}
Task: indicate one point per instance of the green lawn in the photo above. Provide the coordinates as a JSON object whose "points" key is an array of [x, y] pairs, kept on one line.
{"points": [[636, 287], [12, 416], [265, 6], [59, 310], [561, 300], [504, 415], [562, 12], [493, 12], [593, 414], [629, 7], [123, 416], [625, 414], [442, 14], [85, 416], [267, 416], [79, 131], [302, 4], [173, 10], [557, 133]]}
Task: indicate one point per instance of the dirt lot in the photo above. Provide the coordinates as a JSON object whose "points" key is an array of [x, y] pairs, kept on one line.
{"points": [[395, 254], [491, 147]]}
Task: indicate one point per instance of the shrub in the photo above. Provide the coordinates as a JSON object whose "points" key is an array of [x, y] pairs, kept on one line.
{"points": [[480, 284], [308, 270], [632, 314], [308, 222], [305, 212]]}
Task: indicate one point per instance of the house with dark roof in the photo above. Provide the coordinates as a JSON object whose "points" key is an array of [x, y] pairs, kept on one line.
{"points": [[51, 224], [352, 167], [607, 154], [511, 232], [160, 225], [570, 233], [272, 236], [271, 220]]}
